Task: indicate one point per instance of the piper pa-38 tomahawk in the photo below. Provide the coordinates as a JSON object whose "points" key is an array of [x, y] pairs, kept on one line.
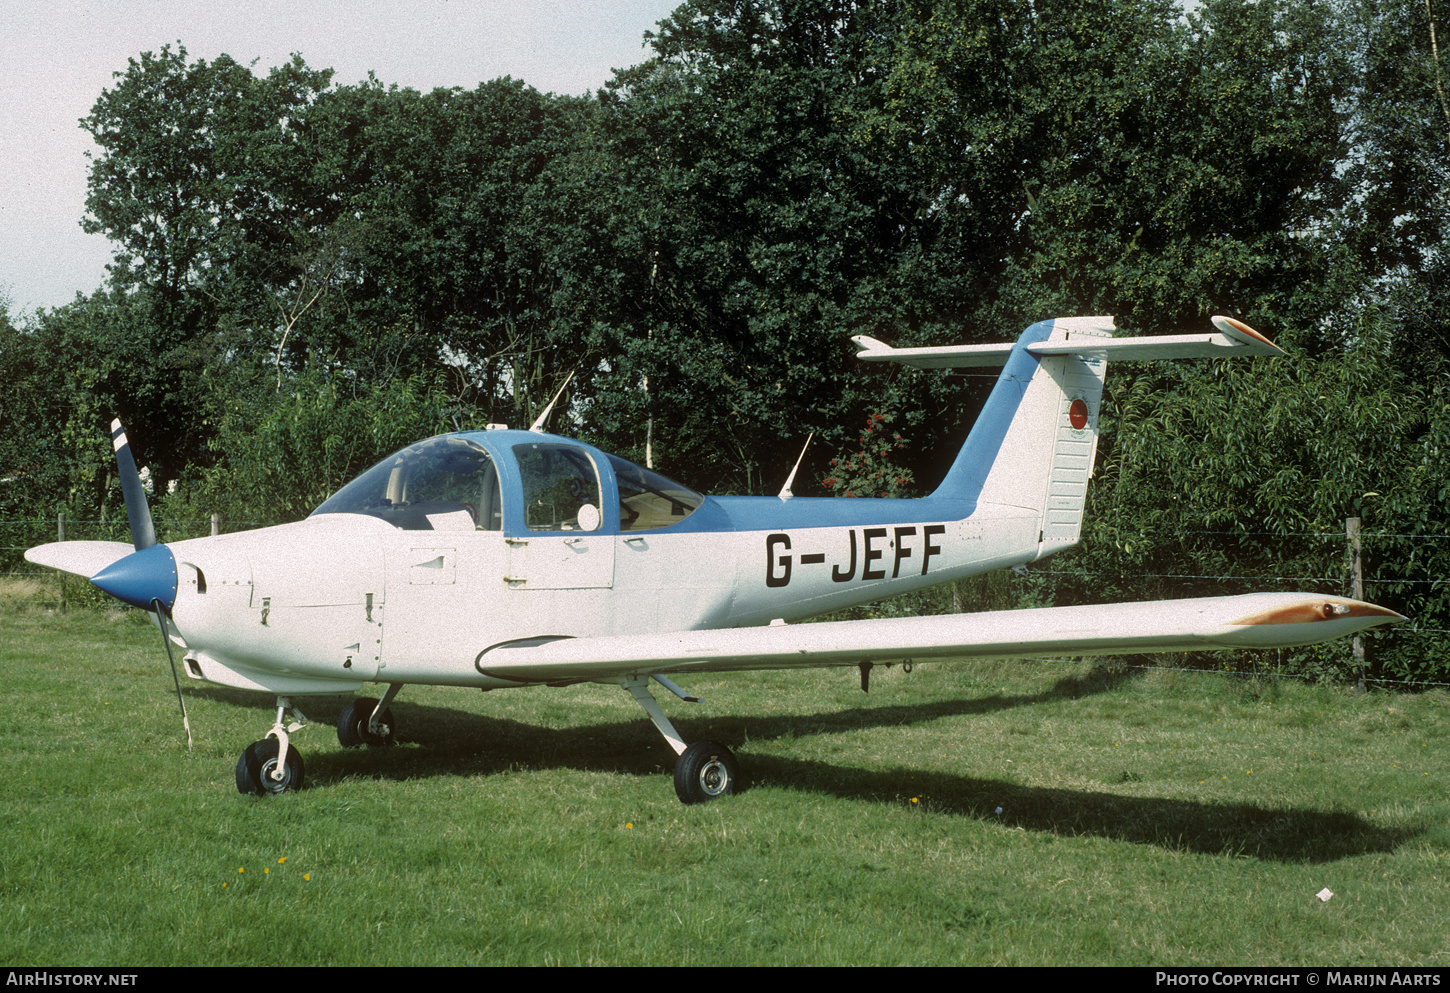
{"points": [[501, 558]]}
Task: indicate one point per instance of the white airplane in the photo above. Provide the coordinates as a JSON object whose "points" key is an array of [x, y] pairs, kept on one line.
{"points": [[495, 559]]}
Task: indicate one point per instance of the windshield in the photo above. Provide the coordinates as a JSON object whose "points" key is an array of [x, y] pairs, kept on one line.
{"points": [[648, 500], [442, 484]]}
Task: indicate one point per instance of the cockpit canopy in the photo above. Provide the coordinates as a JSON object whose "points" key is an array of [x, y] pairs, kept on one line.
{"points": [[648, 500], [457, 483], [426, 487]]}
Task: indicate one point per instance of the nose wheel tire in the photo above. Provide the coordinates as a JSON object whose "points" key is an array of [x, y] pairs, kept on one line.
{"points": [[257, 767], [352, 724], [704, 771]]}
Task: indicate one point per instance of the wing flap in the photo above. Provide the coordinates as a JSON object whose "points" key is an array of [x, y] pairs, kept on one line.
{"points": [[1261, 620]]}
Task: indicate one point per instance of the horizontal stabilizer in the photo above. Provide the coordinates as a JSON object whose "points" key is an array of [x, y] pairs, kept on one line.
{"points": [[946, 357], [1256, 620], [83, 558], [1236, 339]]}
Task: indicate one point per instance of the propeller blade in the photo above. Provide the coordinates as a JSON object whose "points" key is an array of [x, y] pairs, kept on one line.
{"points": [[145, 578], [143, 533], [157, 606]]}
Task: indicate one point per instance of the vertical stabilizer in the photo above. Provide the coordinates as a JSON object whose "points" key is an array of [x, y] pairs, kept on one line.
{"points": [[1030, 454], [1045, 457], [1032, 447]]}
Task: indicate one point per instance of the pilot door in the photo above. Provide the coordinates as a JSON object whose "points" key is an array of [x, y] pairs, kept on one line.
{"points": [[444, 557], [563, 546]]}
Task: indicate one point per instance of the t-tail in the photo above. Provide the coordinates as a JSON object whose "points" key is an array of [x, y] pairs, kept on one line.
{"points": [[1031, 451]]}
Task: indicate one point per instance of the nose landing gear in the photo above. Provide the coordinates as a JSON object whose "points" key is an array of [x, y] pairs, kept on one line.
{"points": [[271, 766]]}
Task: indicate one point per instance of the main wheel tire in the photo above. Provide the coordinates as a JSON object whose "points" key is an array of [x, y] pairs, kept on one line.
{"points": [[255, 767], [352, 724], [704, 771]]}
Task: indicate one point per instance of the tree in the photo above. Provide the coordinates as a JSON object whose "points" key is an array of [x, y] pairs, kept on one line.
{"points": [[454, 189], [760, 229], [195, 167], [192, 186], [279, 457]]}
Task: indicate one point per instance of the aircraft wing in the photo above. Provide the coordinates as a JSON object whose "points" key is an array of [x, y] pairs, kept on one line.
{"points": [[83, 558], [1258, 620]]}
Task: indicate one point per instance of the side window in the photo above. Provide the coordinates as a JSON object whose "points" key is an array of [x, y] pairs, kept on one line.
{"points": [[648, 500], [561, 487]]}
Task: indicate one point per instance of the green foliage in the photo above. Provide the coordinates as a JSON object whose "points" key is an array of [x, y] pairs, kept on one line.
{"points": [[1095, 156], [1241, 476], [777, 229], [68, 374], [452, 238], [280, 455]]}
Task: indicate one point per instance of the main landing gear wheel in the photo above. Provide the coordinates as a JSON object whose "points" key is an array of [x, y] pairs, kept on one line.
{"points": [[352, 724], [704, 771], [256, 768]]}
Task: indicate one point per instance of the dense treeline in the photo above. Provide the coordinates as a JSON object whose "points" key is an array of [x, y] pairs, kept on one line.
{"points": [[309, 274]]}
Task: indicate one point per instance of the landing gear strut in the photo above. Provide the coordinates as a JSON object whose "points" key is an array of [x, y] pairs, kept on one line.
{"points": [[271, 766], [703, 770], [365, 721]]}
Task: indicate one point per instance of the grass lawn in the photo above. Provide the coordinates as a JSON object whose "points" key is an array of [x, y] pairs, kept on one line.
{"points": [[1024, 813]]}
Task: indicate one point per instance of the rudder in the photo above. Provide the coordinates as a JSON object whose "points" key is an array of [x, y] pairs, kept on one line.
{"points": [[1045, 457]]}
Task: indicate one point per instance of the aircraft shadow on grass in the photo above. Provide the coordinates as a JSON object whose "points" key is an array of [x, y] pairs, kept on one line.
{"points": [[458, 743]]}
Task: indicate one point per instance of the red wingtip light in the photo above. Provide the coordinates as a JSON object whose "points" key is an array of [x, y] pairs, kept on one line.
{"points": [[1307, 611], [1229, 324]]}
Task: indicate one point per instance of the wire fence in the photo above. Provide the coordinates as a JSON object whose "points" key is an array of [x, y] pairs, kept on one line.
{"points": [[25, 586], [1400, 569]]}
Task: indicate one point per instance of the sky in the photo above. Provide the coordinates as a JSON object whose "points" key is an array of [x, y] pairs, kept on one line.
{"points": [[56, 56]]}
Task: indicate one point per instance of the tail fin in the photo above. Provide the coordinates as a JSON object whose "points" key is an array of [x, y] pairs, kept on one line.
{"points": [[1031, 450]]}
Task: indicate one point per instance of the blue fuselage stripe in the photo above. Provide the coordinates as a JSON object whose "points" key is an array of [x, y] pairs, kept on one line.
{"points": [[719, 514], [954, 500], [964, 479]]}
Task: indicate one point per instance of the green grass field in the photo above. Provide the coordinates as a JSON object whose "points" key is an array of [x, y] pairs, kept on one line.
{"points": [[1001, 814]]}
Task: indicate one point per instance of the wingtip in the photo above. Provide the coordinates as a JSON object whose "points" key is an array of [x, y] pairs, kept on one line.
{"points": [[1312, 610], [1239, 331], [866, 343]]}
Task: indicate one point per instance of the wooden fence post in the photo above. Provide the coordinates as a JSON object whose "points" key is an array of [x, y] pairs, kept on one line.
{"points": [[60, 536], [216, 524], [1356, 572]]}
